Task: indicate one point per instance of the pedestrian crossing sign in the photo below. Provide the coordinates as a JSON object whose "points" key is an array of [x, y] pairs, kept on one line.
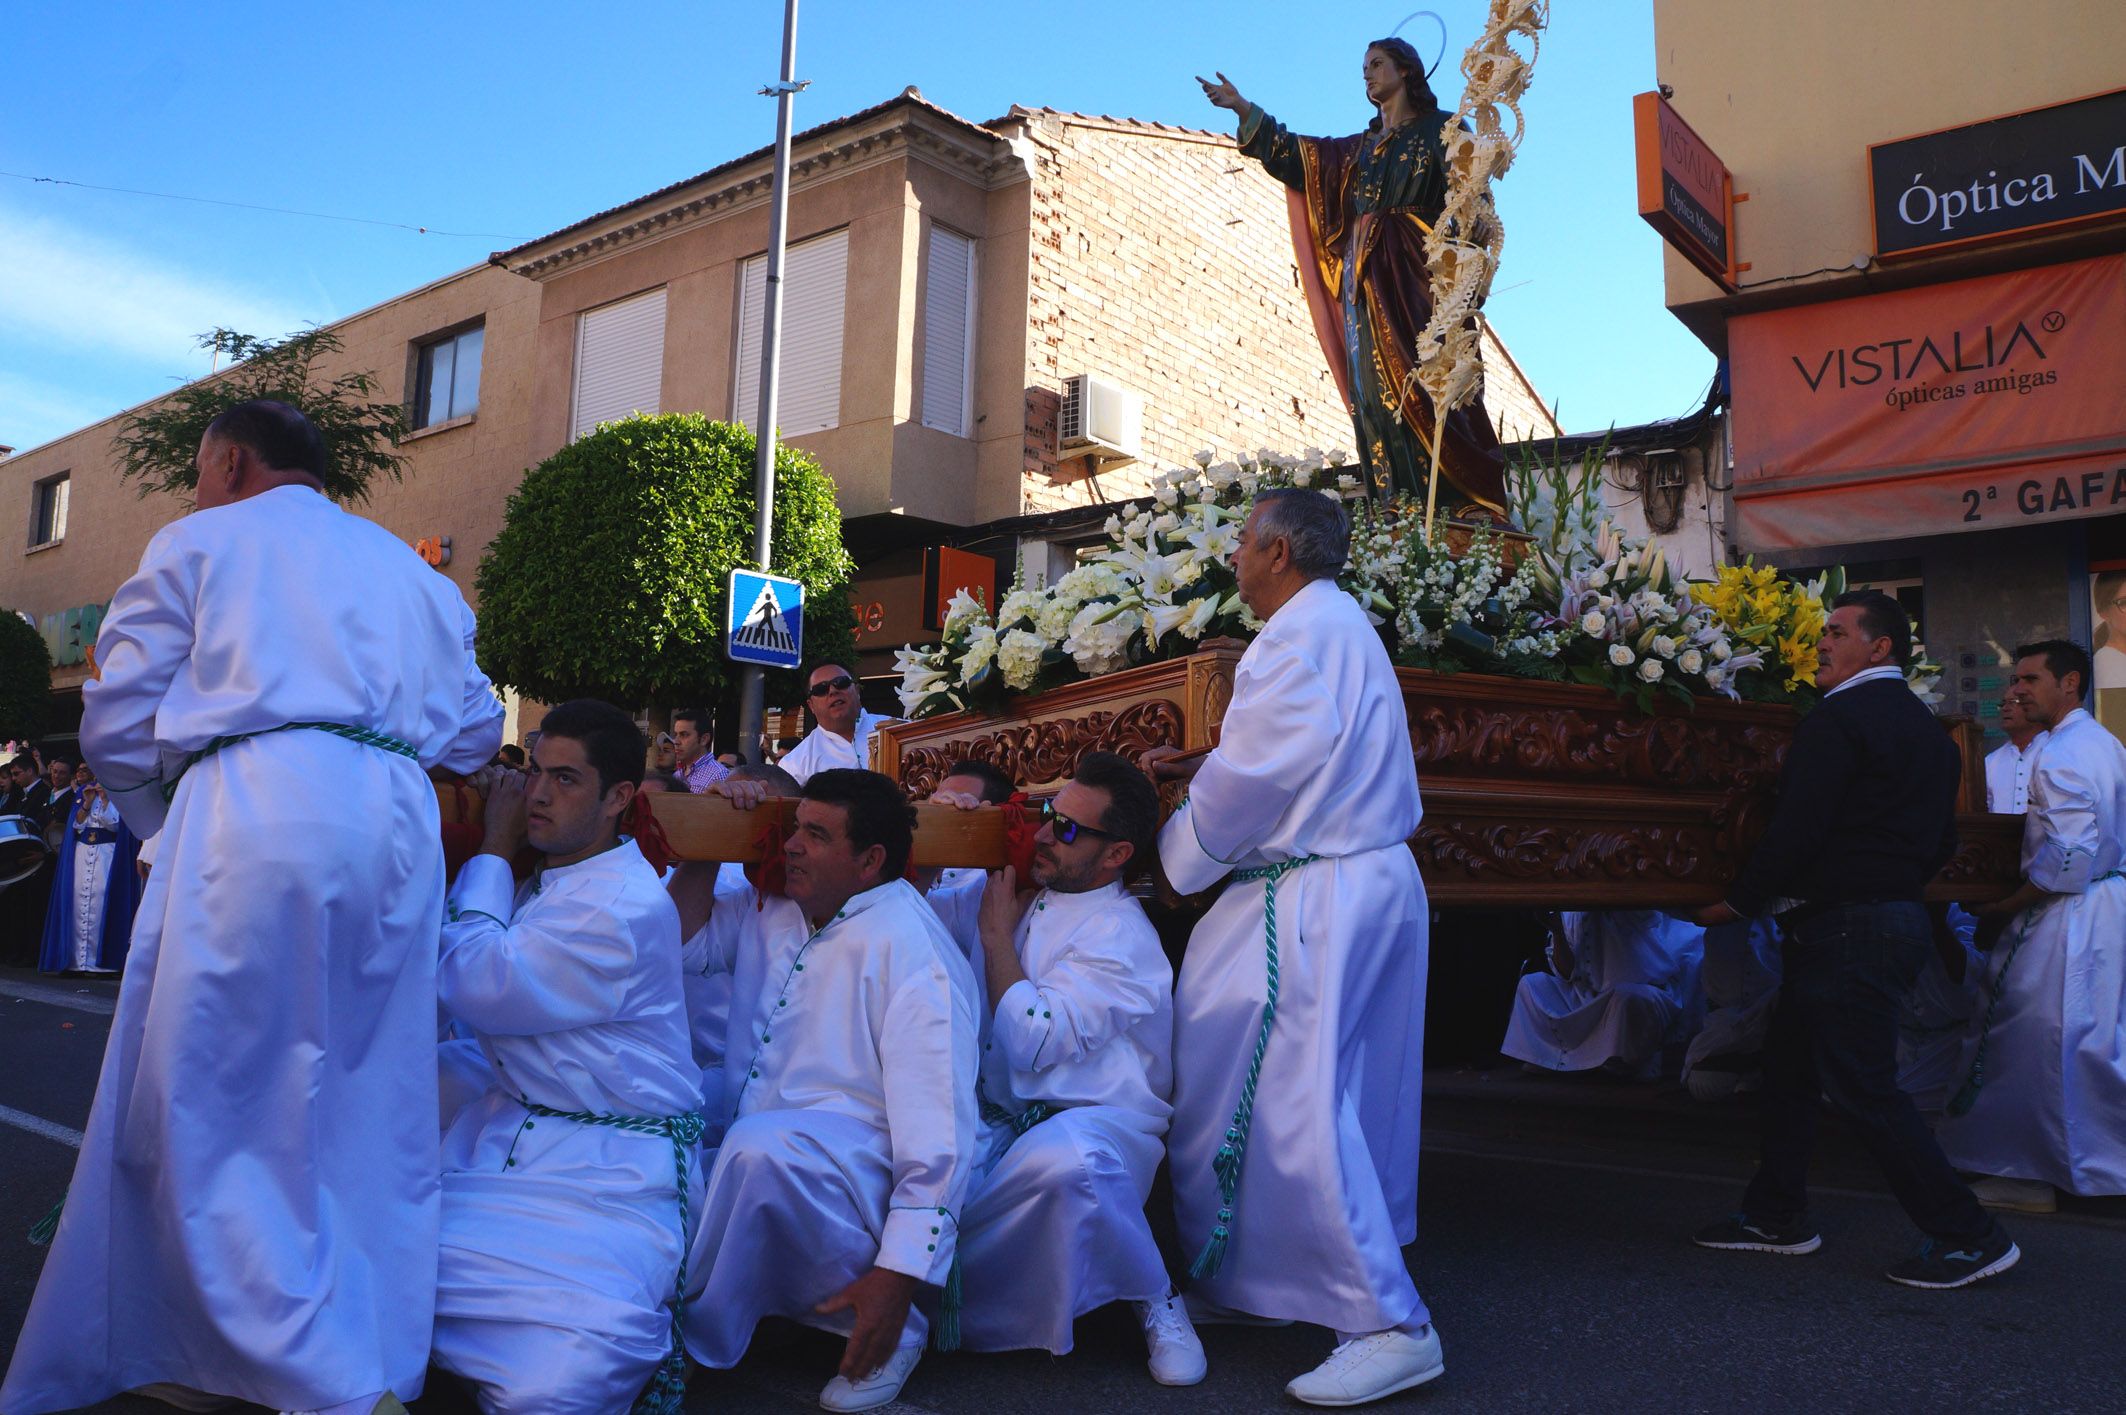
{"points": [[766, 623]]}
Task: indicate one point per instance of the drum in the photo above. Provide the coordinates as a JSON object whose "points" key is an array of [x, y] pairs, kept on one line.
{"points": [[22, 849]]}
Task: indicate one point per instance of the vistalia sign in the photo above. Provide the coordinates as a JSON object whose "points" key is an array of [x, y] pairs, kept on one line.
{"points": [[2006, 176]]}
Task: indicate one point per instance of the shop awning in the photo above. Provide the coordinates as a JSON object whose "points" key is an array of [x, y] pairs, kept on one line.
{"points": [[1972, 405]]}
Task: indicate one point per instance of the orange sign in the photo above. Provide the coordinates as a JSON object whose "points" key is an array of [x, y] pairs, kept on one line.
{"points": [[946, 572], [1685, 192], [1966, 406]]}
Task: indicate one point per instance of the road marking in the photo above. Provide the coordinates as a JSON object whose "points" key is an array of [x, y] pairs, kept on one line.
{"points": [[38, 1125], [57, 997]]}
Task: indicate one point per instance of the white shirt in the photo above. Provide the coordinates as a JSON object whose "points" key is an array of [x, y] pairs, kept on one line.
{"points": [[571, 983], [1869, 675], [870, 1016], [823, 750], [2008, 770], [1092, 1022]]}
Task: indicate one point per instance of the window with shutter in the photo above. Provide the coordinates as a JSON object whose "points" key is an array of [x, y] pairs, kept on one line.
{"points": [[948, 333], [619, 361], [815, 279]]}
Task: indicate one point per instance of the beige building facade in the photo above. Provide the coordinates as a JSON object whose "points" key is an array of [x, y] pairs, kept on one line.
{"points": [[947, 282], [1923, 351]]}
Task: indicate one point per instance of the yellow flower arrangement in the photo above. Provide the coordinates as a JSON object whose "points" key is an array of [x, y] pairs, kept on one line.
{"points": [[1781, 618]]}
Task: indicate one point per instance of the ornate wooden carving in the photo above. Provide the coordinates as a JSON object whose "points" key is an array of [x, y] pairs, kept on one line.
{"points": [[1537, 795]]}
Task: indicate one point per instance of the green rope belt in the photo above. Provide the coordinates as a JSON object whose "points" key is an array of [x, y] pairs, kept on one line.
{"points": [[1231, 1154], [667, 1389], [1967, 1094], [382, 741]]}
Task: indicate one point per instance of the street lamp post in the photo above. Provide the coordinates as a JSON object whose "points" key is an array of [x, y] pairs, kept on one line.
{"points": [[752, 686]]}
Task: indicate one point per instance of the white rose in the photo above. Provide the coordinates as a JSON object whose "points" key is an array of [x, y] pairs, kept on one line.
{"points": [[1664, 646], [1203, 456], [1621, 656], [1691, 661], [1650, 670], [1597, 578], [1720, 651], [1593, 625]]}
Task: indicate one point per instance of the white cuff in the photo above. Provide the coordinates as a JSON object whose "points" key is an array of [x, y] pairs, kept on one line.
{"points": [[1022, 1024], [1189, 868], [484, 886], [918, 1242]]}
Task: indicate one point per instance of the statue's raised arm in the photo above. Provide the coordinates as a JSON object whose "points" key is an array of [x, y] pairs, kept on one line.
{"points": [[1361, 206]]}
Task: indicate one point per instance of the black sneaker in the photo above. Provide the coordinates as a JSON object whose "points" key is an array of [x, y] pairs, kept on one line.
{"points": [[1939, 1264], [1741, 1233]]}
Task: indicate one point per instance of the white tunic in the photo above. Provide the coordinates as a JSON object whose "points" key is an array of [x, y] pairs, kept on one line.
{"points": [[1314, 761], [2055, 1063], [254, 1210], [2008, 776], [1739, 972], [91, 882], [1634, 979], [849, 1068], [708, 994], [822, 750], [1056, 1226], [561, 1240]]}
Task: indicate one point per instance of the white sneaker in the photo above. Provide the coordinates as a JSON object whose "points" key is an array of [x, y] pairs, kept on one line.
{"points": [[2022, 1196], [1369, 1367], [1177, 1354], [878, 1388], [1210, 1314]]}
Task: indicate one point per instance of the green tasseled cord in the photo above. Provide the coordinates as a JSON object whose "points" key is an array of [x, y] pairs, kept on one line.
{"points": [[667, 1389], [41, 1232], [1231, 1154], [383, 742]]}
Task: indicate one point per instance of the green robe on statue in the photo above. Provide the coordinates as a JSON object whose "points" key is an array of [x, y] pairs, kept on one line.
{"points": [[1361, 206]]}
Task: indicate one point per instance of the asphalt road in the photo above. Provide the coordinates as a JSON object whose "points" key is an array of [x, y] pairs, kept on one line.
{"points": [[1551, 1248]]}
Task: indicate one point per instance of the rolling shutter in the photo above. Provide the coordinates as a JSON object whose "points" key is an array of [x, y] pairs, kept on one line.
{"points": [[815, 279], [619, 361], [948, 332]]}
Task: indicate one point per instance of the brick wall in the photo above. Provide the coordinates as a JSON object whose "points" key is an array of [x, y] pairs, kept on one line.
{"points": [[1162, 260]]}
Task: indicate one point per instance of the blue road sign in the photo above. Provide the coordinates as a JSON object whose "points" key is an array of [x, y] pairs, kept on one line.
{"points": [[766, 620]]}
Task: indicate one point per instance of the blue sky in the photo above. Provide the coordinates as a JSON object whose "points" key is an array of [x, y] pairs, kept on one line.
{"points": [[506, 122]]}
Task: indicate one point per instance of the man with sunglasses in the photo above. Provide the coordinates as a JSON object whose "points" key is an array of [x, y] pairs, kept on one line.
{"points": [[842, 738], [1300, 1008], [1076, 1077]]}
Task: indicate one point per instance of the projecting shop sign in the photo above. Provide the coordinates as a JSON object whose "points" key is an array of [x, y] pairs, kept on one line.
{"points": [[1685, 192], [2005, 176], [766, 620]]}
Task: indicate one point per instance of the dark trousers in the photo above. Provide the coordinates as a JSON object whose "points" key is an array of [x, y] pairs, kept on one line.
{"points": [[1847, 970]]}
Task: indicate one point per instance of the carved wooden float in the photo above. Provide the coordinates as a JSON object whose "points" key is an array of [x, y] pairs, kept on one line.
{"points": [[1537, 795]]}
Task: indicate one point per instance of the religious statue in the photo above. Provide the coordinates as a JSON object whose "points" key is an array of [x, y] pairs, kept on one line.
{"points": [[1361, 208]]}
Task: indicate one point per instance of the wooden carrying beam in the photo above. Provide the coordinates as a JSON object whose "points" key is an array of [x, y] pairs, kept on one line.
{"points": [[710, 828]]}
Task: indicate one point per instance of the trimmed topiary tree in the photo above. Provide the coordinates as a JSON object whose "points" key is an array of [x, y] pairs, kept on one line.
{"points": [[608, 579], [25, 679]]}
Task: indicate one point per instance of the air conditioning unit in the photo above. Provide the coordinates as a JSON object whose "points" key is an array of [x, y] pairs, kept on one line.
{"points": [[1100, 420]]}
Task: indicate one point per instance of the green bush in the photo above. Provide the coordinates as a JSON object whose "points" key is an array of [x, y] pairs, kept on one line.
{"points": [[608, 579], [25, 678]]}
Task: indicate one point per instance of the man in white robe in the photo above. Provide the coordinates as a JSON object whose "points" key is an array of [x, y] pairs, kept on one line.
{"points": [[254, 1210], [2009, 765], [842, 736], [568, 1185], [1739, 974], [1299, 1204], [1623, 980], [708, 986], [1077, 1072], [837, 1192], [2045, 1085]]}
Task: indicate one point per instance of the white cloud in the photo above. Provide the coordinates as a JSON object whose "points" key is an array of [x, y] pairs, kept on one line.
{"points": [[78, 291]]}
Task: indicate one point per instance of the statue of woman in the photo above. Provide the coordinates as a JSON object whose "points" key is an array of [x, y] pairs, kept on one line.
{"points": [[1360, 209]]}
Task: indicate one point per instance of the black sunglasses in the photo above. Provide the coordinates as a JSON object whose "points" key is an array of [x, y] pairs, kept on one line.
{"points": [[832, 685], [1067, 830]]}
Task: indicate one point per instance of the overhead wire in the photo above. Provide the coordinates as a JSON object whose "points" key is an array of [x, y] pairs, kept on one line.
{"points": [[254, 206]]}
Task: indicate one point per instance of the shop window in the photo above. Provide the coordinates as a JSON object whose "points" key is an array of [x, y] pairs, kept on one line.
{"points": [[447, 377]]}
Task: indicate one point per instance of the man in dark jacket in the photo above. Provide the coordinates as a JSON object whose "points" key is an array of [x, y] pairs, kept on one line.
{"points": [[1866, 817]]}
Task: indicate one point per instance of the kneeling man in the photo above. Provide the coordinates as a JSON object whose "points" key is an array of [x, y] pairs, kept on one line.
{"points": [[567, 1185], [836, 1194], [1076, 1077]]}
